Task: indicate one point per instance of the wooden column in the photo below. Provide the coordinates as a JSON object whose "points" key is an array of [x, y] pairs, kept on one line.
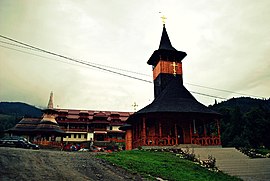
{"points": [[133, 132], [136, 132], [176, 134], [204, 129], [218, 127], [129, 139], [144, 131], [190, 132], [194, 126], [159, 129], [205, 142]]}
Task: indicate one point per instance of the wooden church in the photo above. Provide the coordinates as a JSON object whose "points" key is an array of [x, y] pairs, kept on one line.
{"points": [[175, 116]]}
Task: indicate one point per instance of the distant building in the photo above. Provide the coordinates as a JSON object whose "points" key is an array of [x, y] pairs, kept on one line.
{"points": [[86, 125], [175, 116], [61, 126]]}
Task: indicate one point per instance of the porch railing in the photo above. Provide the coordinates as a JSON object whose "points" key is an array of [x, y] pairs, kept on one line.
{"points": [[155, 141], [170, 141], [206, 141]]}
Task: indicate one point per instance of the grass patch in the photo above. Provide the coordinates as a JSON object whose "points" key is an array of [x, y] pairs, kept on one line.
{"points": [[263, 151], [164, 165]]}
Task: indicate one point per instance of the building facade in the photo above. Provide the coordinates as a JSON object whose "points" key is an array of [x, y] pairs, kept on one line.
{"points": [[63, 126], [86, 125]]}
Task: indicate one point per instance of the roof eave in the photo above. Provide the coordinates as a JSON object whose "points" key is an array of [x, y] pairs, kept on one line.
{"points": [[163, 54]]}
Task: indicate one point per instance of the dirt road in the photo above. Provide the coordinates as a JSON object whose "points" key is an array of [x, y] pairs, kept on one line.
{"points": [[23, 164]]}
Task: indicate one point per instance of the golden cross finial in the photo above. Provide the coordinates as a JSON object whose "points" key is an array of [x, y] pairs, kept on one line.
{"points": [[163, 19], [134, 105], [174, 68]]}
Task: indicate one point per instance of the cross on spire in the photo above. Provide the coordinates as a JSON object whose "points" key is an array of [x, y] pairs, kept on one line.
{"points": [[163, 19], [134, 105]]}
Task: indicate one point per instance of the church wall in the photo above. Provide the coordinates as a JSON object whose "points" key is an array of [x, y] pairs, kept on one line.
{"points": [[151, 128], [128, 138]]}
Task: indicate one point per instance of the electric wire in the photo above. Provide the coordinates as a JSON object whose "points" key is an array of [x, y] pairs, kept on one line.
{"points": [[138, 73], [222, 90], [208, 95], [30, 47], [98, 66], [75, 60]]}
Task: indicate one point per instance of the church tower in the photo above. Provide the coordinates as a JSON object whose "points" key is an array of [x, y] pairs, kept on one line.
{"points": [[166, 62], [175, 116]]}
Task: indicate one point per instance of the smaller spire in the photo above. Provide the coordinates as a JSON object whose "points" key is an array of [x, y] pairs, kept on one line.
{"points": [[50, 104]]}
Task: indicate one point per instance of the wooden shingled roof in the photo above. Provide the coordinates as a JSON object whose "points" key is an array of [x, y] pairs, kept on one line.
{"points": [[176, 98]]}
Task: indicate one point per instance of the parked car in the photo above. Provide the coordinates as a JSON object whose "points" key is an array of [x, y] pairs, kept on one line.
{"points": [[17, 142]]}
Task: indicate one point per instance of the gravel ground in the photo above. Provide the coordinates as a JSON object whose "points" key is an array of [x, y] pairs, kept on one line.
{"points": [[24, 164]]}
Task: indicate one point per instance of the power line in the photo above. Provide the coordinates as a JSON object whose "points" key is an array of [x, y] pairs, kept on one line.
{"points": [[98, 66], [208, 95], [72, 59], [40, 56], [76, 64], [26, 46], [115, 68], [196, 85], [221, 90]]}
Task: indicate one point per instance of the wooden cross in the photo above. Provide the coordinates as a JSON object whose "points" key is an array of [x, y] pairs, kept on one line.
{"points": [[163, 19], [134, 105], [174, 68]]}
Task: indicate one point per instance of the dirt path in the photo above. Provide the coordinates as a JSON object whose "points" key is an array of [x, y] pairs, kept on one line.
{"points": [[23, 164]]}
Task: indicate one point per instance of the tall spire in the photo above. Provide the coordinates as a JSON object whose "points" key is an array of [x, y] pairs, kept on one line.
{"points": [[50, 104], [165, 42], [166, 51]]}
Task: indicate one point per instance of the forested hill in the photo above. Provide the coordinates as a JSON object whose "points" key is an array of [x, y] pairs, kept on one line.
{"points": [[245, 122], [12, 112], [19, 109], [245, 104]]}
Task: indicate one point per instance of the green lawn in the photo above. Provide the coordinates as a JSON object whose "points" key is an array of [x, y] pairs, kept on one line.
{"points": [[164, 165]]}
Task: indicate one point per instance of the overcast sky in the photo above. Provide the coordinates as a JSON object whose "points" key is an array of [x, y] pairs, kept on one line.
{"points": [[227, 45]]}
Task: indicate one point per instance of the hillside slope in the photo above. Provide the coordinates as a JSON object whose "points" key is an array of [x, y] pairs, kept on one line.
{"points": [[19, 109], [245, 122], [12, 112]]}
